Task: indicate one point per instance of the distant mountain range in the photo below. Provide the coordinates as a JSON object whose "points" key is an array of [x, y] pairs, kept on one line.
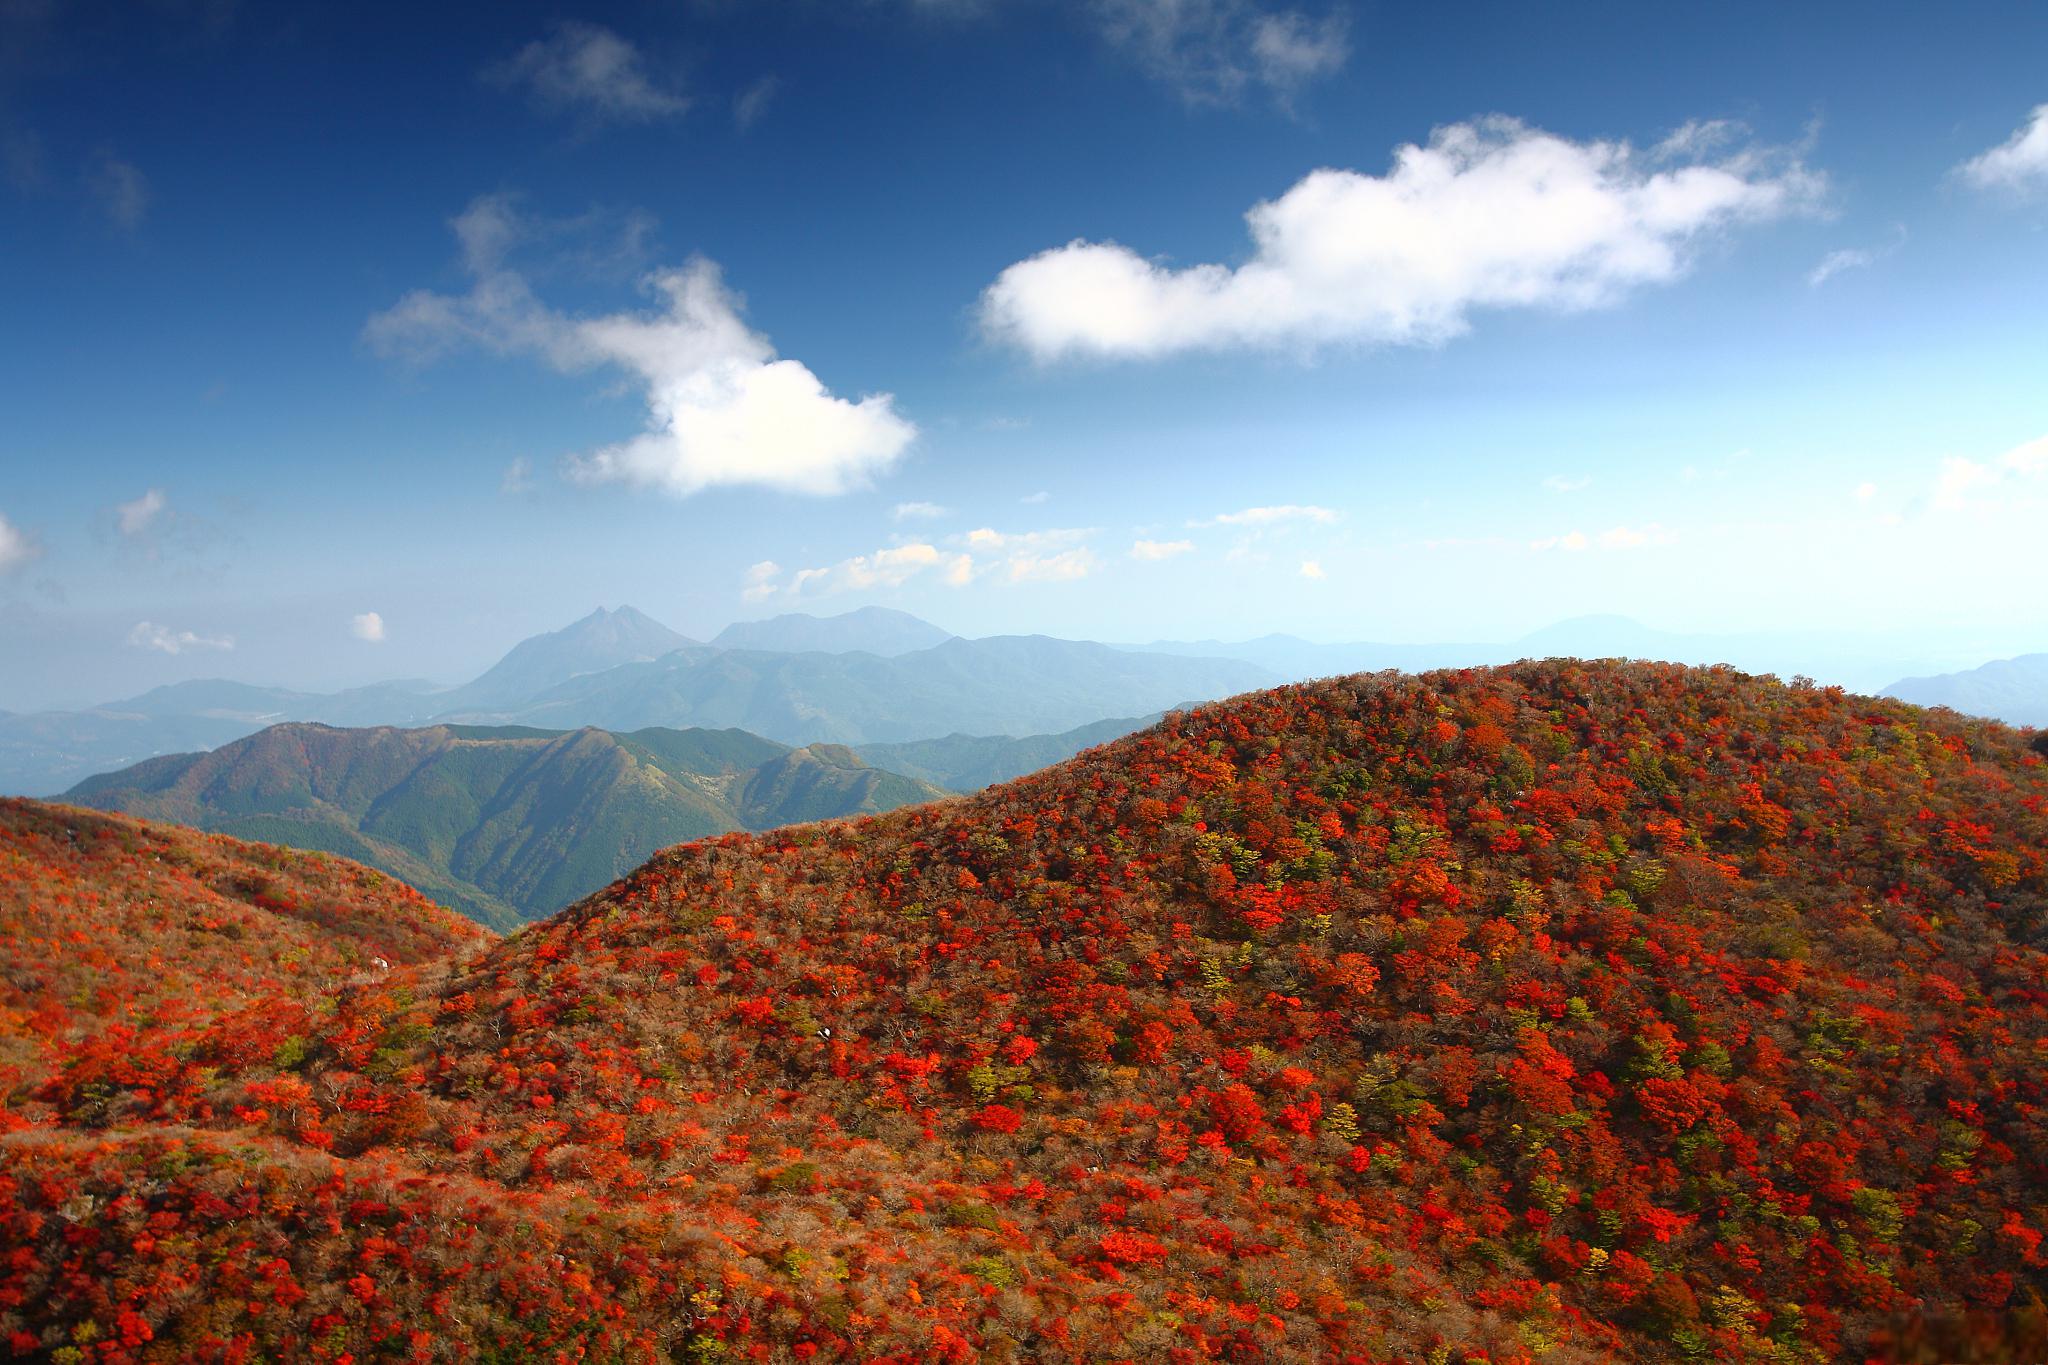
{"points": [[1005, 684], [504, 824], [2012, 690], [872, 676], [869, 630]]}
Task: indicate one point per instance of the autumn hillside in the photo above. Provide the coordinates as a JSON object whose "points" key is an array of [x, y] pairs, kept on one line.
{"points": [[123, 940], [1559, 1012]]}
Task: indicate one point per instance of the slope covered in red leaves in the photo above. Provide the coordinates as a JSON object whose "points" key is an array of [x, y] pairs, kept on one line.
{"points": [[130, 939], [1561, 1012]]}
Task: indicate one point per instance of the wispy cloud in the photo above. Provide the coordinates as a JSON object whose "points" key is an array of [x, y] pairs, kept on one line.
{"points": [[1852, 258], [1312, 569], [1054, 555], [137, 514], [1220, 51], [919, 511], [517, 478], [2018, 163], [1271, 516], [1490, 214], [722, 407], [1964, 484], [886, 568], [149, 635], [120, 189], [588, 70], [752, 103], [1559, 483], [1155, 550], [18, 548], [1615, 538]]}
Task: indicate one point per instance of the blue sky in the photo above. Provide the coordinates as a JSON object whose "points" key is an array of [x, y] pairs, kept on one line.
{"points": [[352, 343]]}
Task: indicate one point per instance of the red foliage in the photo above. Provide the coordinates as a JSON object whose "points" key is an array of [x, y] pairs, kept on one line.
{"points": [[1561, 1011]]}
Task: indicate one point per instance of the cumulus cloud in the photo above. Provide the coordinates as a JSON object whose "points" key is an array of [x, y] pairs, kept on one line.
{"points": [[1490, 214], [1218, 51], [589, 70], [367, 625], [1615, 538], [149, 635], [137, 514], [17, 548], [723, 408], [120, 189], [2018, 163], [919, 511], [1160, 549]]}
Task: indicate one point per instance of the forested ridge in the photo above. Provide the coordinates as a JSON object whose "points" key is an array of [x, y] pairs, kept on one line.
{"points": [[1558, 1012]]}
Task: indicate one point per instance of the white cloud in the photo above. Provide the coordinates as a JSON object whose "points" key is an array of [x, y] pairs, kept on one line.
{"points": [[1036, 499], [1865, 491], [888, 568], [1559, 483], [2018, 163], [750, 104], [1961, 483], [1615, 538], [1217, 51], [760, 580], [121, 190], [987, 538], [1835, 262], [1049, 556], [17, 547], [1853, 258], [1491, 214], [1160, 549], [1290, 49], [1063, 567], [135, 515], [368, 625], [921, 511], [1271, 516], [723, 409], [1312, 569], [149, 635], [589, 70], [517, 478]]}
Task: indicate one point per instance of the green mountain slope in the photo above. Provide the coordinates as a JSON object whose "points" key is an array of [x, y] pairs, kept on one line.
{"points": [[502, 823]]}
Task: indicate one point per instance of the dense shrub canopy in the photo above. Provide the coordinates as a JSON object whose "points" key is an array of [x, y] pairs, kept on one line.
{"points": [[1560, 1012]]}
